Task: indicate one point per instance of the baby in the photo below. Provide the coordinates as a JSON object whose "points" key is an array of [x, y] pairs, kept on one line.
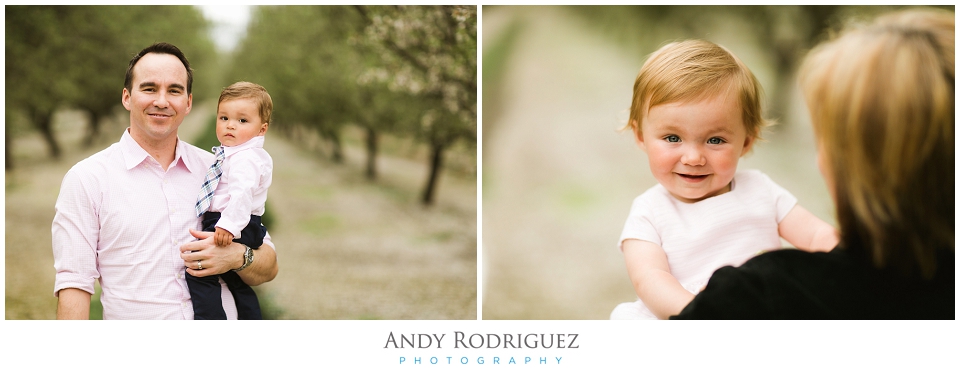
{"points": [[695, 111], [233, 202]]}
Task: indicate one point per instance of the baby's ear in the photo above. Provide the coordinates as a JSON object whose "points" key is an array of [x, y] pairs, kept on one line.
{"points": [[637, 135], [263, 128], [747, 145]]}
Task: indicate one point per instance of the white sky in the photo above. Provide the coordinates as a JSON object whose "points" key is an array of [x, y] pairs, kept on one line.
{"points": [[229, 23]]}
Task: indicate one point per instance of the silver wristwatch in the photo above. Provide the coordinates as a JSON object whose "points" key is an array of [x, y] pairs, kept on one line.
{"points": [[247, 258]]}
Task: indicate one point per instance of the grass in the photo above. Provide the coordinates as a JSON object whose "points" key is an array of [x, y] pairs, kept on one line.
{"points": [[320, 224], [96, 308], [268, 306]]}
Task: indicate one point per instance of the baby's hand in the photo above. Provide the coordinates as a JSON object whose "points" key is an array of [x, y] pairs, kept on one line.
{"points": [[222, 237]]}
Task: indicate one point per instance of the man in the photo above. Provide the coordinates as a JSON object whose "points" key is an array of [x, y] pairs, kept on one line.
{"points": [[125, 216]]}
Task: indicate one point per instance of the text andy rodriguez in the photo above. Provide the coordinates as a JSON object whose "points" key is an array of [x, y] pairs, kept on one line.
{"points": [[461, 340], [483, 341]]}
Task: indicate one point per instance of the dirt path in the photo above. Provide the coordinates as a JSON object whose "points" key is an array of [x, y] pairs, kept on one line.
{"points": [[348, 249], [559, 178]]}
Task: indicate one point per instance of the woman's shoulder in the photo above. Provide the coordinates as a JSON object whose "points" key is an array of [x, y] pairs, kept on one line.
{"points": [[775, 284], [794, 284], [802, 267]]}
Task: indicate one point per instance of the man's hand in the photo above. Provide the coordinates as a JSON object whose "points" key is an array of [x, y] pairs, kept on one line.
{"points": [[216, 260], [205, 258], [223, 237]]}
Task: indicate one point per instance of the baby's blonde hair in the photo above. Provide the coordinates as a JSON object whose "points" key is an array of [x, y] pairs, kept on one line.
{"points": [[691, 70], [247, 90], [881, 99]]}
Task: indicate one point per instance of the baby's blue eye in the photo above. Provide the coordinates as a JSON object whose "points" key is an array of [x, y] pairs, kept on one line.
{"points": [[715, 141], [672, 138]]}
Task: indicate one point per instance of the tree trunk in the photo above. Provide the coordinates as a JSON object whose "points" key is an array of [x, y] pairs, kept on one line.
{"points": [[42, 120], [436, 162], [93, 130], [337, 147], [371, 154], [7, 152]]}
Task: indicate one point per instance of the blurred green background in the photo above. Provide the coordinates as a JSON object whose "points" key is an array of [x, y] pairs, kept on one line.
{"points": [[374, 134], [558, 177]]}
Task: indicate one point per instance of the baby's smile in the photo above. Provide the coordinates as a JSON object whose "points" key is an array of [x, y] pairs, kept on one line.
{"points": [[693, 178]]}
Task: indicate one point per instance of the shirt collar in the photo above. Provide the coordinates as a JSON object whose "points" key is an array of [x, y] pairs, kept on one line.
{"points": [[192, 161], [255, 142], [133, 154]]}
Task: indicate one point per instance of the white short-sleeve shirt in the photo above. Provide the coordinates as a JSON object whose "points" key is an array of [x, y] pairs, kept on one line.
{"points": [[701, 237]]}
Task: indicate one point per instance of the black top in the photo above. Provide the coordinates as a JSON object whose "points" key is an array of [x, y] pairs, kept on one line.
{"points": [[793, 284]]}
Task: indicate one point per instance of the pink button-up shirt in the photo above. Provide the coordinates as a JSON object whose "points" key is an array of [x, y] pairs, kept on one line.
{"points": [[120, 219], [242, 190]]}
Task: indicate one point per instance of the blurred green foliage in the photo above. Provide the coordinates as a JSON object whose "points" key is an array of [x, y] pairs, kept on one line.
{"points": [[96, 307], [783, 33], [408, 71], [495, 63], [269, 308], [76, 57], [208, 137]]}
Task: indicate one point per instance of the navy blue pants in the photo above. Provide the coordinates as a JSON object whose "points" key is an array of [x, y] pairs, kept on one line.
{"points": [[205, 291]]}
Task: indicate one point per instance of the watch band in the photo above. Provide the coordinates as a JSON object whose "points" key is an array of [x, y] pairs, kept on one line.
{"points": [[247, 258]]}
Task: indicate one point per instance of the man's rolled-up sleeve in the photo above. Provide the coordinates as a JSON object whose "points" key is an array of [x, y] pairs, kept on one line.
{"points": [[76, 230]]}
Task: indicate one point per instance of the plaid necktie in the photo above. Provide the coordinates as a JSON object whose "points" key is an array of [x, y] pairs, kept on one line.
{"points": [[210, 183]]}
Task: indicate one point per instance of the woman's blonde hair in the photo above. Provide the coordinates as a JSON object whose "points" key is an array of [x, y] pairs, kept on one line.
{"points": [[692, 70], [881, 98]]}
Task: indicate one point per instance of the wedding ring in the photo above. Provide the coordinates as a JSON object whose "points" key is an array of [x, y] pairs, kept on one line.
{"points": [[199, 266]]}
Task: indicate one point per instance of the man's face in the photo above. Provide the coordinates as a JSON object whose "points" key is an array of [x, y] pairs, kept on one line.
{"points": [[158, 100]]}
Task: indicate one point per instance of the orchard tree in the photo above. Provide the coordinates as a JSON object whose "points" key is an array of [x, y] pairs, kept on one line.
{"points": [[300, 54], [429, 52], [76, 56], [33, 84]]}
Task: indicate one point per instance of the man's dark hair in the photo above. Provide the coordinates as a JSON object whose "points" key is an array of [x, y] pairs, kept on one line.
{"points": [[162, 48]]}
